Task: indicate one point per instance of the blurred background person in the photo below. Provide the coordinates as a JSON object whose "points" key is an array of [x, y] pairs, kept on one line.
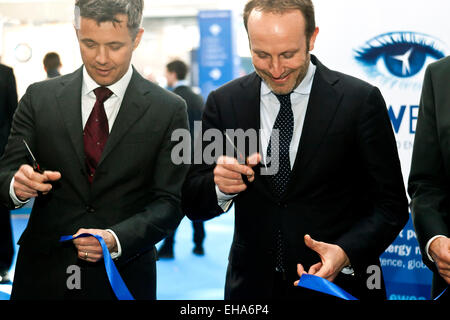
{"points": [[52, 65], [176, 72], [8, 105]]}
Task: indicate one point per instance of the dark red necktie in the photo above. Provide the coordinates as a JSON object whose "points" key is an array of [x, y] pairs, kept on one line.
{"points": [[96, 131]]}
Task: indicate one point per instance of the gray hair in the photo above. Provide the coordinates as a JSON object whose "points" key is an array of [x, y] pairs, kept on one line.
{"points": [[107, 10]]}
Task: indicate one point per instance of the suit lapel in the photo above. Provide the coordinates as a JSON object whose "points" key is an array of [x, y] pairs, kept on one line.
{"points": [[322, 106], [247, 105], [134, 104], [69, 100]]}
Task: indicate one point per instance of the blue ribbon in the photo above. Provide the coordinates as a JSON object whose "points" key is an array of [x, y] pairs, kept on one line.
{"points": [[319, 284], [441, 294], [119, 287]]}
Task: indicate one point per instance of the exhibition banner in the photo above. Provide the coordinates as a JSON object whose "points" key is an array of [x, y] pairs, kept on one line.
{"points": [[218, 61], [389, 44]]}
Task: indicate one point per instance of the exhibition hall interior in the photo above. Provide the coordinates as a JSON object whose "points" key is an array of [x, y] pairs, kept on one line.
{"points": [[388, 44]]}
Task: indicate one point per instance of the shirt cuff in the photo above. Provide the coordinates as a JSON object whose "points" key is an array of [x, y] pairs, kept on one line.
{"points": [[17, 203], [427, 247], [115, 255], [224, 200]]}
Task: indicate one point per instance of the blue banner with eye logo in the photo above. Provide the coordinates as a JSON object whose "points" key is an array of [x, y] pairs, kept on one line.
{"points": [[397, 61], [218, 61], [390, 47]]}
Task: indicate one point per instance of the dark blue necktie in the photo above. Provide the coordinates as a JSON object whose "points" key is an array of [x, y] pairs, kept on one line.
{"points": [[285, 125]]}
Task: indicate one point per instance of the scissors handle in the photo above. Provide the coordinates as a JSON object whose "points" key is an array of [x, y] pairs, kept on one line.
{"points": [[37, 167]]}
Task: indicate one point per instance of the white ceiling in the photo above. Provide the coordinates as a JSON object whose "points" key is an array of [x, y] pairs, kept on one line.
{"points": [[39, 11]]}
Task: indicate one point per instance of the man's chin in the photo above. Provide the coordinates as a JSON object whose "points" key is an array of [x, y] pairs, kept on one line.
{"points": [[280, 90], [103, 79], [104, 82]]}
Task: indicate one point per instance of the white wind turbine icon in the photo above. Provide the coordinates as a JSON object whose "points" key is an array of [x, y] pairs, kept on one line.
{"points": [[404, 58]]}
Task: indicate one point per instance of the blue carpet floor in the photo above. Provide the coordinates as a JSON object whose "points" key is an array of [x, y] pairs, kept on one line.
{"points": [[187, 276]]}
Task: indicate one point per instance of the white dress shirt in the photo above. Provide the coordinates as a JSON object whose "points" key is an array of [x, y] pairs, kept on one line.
{"points": [[112, 107], [269, 108]]}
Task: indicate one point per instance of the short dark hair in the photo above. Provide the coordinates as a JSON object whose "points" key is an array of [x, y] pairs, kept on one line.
{"points": [[306, 7], [107, 10], [52, 61], [179, 67]]}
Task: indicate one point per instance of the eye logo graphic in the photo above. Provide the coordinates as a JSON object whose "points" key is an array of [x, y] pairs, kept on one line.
{"points": [[399, 58]]}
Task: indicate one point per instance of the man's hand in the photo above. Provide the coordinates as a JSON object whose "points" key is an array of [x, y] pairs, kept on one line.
{"points": [[440, 252], [89, 248], [228, 171], [333, 260], [28, 182]]}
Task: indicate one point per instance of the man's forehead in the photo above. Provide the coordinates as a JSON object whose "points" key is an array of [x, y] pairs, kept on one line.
{"points": [[120, 21], [259, 16]]}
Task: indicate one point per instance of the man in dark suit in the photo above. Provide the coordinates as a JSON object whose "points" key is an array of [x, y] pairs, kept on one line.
{"points": [[429, 176], [176, 72], [104, 135], [8, 105], [335, 198]]}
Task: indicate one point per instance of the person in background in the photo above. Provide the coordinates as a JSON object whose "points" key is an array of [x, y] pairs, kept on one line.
{"points": [[337, 199], [102, 136], [176, 72], [429, 175], [8, 105], [52, 65]]}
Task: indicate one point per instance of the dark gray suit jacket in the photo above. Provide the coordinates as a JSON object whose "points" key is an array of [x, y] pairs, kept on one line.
{"points": [[194, 104], [429, 178], [136, 191], [8, 103]]}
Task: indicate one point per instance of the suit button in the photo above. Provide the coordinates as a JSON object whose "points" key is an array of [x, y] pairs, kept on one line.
{"points": [[90, 209]]}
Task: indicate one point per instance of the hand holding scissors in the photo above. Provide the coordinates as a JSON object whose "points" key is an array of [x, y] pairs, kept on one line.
{"points": [[31, 181], [232, 176]]}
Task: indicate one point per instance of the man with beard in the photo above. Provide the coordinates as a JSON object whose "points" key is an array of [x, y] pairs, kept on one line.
{"points": [[337, 199]]}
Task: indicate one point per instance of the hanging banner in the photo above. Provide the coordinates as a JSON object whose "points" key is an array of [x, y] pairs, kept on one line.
{"points": [[218, 61]]}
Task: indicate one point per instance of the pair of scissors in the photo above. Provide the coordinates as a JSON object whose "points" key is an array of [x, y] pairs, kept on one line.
{"points": [[241, 157], [35, 164]]}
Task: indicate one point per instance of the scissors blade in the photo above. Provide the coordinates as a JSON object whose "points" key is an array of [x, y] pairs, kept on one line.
{"points": [[29, 151], [232, 143], [240, 155]]}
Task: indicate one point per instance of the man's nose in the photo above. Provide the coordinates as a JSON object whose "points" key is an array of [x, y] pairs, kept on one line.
{"points": [[276, 68], [101, 56]]}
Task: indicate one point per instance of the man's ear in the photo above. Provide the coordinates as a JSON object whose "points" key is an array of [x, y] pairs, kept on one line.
{"points": [[138, 38], [312, 41]]}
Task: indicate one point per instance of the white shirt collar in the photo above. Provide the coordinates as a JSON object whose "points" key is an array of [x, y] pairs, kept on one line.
{"points": [[118, 88], [303, 88]]}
